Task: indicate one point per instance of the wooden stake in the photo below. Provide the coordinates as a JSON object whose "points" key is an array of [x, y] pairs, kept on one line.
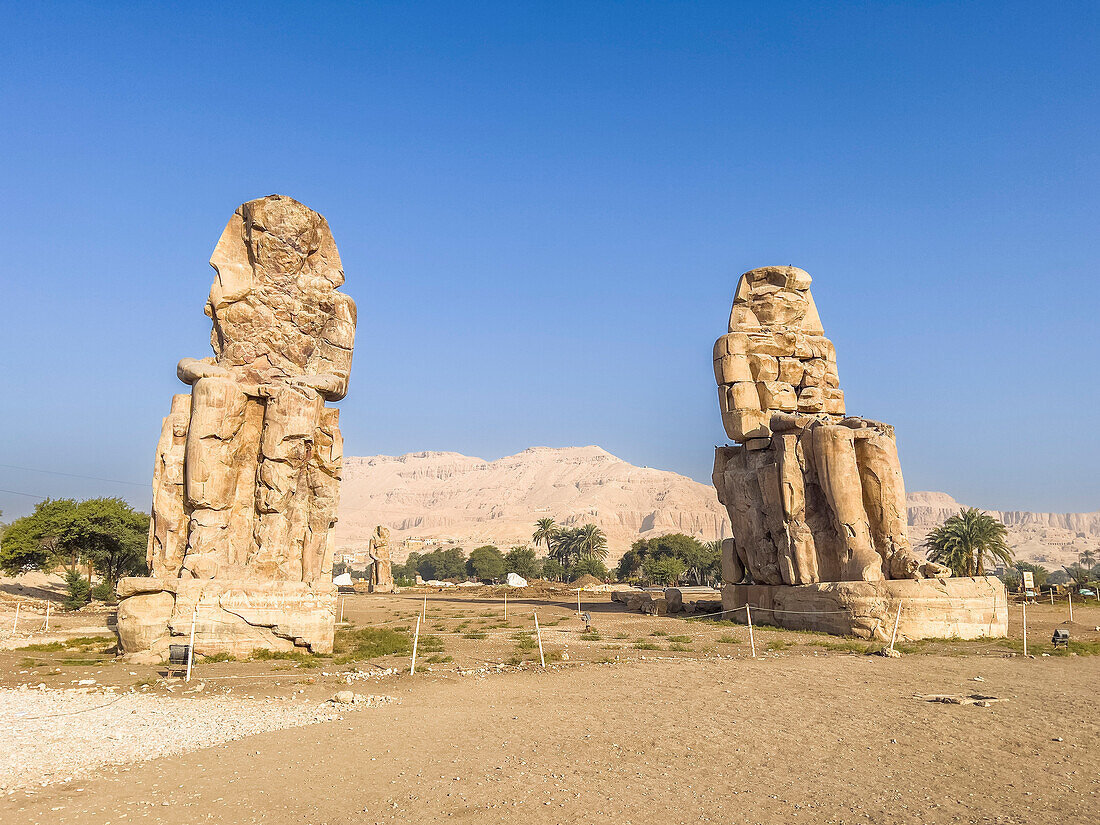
{"points": [[1024, 606], [578, 601], [538, 633], [505, 605], [752, 641], [48, 606], [897, 618], [416, 640], [1052, 597], [191, 647], [341, 619], [1071, 606], [15, 624]]}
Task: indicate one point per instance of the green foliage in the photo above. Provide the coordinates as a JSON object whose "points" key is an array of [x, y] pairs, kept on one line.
{"points": [[552, 569], [429, 644], [642, 644], [589, 567], [545, 532], [77, 587], [299, 657], [1013, 577], [486, 564], [443, 564], [76, 643], [647, 559], [369, 643], [522, 562], [666, 570], [104, 532], [572, 546], [32, 542], [103, 592], [966, 541]]}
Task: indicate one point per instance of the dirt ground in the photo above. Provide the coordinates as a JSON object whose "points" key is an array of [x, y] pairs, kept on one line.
{"points": [[643, 720]]}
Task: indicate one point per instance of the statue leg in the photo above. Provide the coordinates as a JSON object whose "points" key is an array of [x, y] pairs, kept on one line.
{"points": [[292, 416], [324, 486], [838, 475], [218, 414], [884, 502]]}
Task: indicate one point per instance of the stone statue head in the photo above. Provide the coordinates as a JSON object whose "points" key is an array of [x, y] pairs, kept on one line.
{"points": [[275, 291]]}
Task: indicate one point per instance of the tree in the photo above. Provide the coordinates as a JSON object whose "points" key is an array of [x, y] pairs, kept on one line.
{"points": [[78, 588], [552, 569], [590, 567], [522, 562], [665, 570], [486, 564], [631, 562], [564, 547], [443, 564], [964, 543], [1013, 576], [591, 543], [31, 542], [1087, 558], [110, 535], [545, 532]]}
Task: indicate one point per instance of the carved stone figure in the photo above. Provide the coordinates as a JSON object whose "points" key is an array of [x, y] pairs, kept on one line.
{"points": [[814, 495], [247, 472], [381, 574]]}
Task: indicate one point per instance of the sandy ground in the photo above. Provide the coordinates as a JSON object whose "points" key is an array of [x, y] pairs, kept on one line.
{"points": [[697, 730]]}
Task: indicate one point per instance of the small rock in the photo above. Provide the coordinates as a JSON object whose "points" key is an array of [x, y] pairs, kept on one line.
{"points": [[83, 682], [344, 697], [1057, 739]]}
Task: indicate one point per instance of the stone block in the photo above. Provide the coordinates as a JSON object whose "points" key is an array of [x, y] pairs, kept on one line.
{"points": [[730, 369], [763, 367], [811, 400], [777, 395]]}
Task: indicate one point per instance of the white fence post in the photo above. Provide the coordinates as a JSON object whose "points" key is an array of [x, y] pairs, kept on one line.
{"points": [[752, 641], [416, 640], [191, 647], [542, 658], [897, 618]]}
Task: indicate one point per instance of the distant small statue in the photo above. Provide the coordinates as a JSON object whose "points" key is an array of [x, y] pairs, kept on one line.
{"points": [[378, 548]]}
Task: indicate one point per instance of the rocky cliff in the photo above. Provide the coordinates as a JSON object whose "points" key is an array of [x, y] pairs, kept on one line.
{"points": [[441, 496]]}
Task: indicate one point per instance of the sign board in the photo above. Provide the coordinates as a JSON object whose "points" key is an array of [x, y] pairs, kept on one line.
{"points": [[1029, 580]]}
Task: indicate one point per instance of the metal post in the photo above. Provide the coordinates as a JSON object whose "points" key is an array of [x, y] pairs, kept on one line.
{"points": [[1071, 606], [15, 624], [578, 601], [505, 605], [538, 633], [752, 641], [191, 647], [897, 618], [48, 606], [341, 619]]}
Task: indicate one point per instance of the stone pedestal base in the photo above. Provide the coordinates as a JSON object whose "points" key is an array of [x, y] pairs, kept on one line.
{"points": [[965, 608], [234, 617]]}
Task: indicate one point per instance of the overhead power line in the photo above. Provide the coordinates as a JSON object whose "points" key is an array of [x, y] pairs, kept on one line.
{"points": [[72, 475]]}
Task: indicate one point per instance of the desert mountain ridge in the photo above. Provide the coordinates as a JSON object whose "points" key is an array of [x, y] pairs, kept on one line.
{"points": [[427, 498]]}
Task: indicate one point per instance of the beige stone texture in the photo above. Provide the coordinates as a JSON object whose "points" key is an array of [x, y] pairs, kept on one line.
{"points": [[246, 481], [234, 617], [954, 608], [813, 495]]}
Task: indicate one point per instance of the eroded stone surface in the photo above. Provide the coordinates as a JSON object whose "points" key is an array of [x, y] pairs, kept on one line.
{"points": [[813, 495], [247, 471], [952, 608]]}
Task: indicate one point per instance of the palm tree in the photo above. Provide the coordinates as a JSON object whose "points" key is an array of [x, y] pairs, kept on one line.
{"points": [[964, 543], [566, 548], [591, 543], [545, 531], [1087, 558]]}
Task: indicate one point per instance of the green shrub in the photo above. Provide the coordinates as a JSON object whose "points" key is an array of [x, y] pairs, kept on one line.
{"points": [[299, 657], [642, 644], [78, 588], [680, 639], [727, 639], [103, 592], [372, 642]]}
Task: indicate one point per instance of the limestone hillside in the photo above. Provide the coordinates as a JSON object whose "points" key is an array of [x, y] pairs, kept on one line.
{"points": [[439, 496]]}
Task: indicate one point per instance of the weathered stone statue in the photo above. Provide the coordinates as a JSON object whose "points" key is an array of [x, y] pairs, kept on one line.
{"points": [[381, 573], [814, 495], [247, 474]]}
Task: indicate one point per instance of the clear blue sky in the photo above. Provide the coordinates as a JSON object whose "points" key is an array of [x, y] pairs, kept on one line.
{"points": [[543, 210]]}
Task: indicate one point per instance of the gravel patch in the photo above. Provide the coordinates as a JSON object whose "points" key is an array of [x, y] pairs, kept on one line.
{"points": [[48, 736]]}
